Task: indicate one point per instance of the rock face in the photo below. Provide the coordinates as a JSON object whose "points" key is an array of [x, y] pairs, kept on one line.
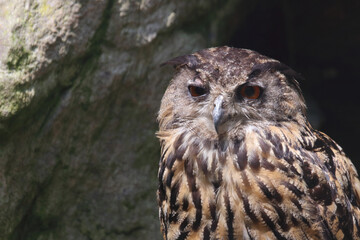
{"points": [[80, 85]]}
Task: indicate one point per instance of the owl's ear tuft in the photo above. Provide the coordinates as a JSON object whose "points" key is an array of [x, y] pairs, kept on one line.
{"points": [[291, 75], [190, 61]]}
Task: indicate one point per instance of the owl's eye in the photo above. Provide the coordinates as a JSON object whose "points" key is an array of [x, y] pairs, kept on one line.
{"points": [[250, 92], [197, 91]]}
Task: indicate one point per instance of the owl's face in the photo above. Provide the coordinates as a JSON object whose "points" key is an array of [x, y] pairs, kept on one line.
{"points": [[220, 91]]}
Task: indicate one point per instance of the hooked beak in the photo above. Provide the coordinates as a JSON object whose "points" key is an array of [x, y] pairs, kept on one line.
{"points": [[217, 112]]}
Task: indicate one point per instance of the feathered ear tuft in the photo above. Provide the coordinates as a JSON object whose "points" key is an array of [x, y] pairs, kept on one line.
{"points": [[291, 75], [189, 60]]}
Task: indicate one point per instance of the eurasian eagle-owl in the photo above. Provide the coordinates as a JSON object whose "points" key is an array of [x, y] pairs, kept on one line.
{"points": [[239, 159]]}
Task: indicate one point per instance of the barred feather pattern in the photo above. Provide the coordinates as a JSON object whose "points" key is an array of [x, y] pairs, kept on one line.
{"points": [[272, 181]]}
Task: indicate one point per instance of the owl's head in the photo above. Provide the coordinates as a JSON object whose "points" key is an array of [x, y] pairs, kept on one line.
{"points": [[219, 91]]}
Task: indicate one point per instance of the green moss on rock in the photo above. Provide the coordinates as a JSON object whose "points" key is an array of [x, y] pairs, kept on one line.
{"points": [[18, 58], [12, 98]]}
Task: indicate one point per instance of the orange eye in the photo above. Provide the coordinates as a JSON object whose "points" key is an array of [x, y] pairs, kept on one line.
{"points": [[197, 91], [250, 92]]}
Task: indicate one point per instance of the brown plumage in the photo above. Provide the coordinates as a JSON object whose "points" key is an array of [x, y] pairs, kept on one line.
{"points": [[239, 159]]}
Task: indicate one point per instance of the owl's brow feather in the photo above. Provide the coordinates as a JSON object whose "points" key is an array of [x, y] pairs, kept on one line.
{"points": [[291, 75]]}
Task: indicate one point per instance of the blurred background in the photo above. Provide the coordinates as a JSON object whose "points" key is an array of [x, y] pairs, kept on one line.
{"points": [[81, 84]]}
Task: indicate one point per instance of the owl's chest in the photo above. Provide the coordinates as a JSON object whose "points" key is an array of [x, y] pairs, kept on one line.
{"points": [[222, 193], [218, 197]]}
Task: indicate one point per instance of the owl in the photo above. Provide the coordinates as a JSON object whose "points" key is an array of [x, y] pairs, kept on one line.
{"points": [[239, 159]]}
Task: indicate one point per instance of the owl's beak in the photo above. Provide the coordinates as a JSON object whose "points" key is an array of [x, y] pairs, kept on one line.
{"points": [[217, 112]]}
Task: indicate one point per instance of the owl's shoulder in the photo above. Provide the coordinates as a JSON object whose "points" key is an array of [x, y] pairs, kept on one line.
{"points": [[317, 167]]}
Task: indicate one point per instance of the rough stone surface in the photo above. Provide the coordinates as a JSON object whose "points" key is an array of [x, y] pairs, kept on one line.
{"points": [[80, 85]]}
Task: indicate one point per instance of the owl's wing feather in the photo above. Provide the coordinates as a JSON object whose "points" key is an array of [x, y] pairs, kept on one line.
{"points": [[345, 181], [309, 172]]}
